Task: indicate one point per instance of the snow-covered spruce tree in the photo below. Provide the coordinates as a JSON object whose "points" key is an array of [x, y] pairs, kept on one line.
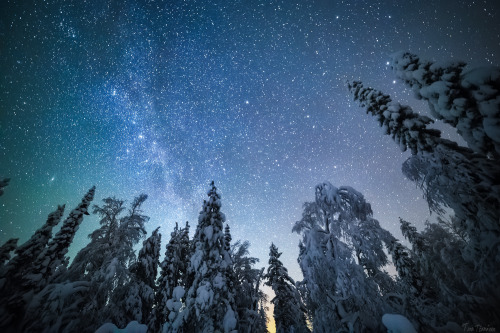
{"points": [[46, 267], [247, 294], [447, 281], [231, 281], [209, 302], [138, 294], [405, 267], [289, 310], [104, 262], [450, 176], [31, 249], [53, 261], [260, 325], [55, 307], [417, 296], [3, 183], [171, 284], [341, 258], [91, 258], [21, 264], [468, 100]]}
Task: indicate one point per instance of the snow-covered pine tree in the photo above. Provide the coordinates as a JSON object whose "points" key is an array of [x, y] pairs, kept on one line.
{"points": [[415, 300], [210, 302], [248, 295], [171, 284], [132, 229], [448, 283], [55, 308], [413, 236], [230, 275], [91, 258], [105, 260], [53, 261], [21, 264], [405, 267], [260, 325], [450, 176], [31, 249], [289, 311], [342, 258], [138, 294], [468, 100], [43, 269]]}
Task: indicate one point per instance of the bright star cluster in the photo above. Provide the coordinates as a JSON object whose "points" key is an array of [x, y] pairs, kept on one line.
{"points": [[162, 97]]}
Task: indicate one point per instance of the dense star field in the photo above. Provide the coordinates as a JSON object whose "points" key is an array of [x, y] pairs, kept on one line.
{"points": [[161, 97]]}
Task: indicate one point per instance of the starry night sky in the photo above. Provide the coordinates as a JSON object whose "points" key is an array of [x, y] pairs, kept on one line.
{"points": [[162, 97]]}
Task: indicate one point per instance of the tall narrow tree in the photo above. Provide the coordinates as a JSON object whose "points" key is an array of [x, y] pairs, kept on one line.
{"points": [[289, 311], [139, 292], [171, 284], [90, 259], [53, 261], [31, 249], [210, 302], [247, 280]]}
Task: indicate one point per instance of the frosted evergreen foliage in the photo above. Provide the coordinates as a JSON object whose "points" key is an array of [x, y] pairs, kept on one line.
{"points": [[448, 287], [466, 99], [38, 263], [408, 129], [227, 238], [55, 308], [405, 267], [105, 261], [261, 322], [5, 282], [248, 295], [342, 258], [209, 305], [31, 250], [12, 292], [53, 259], [91, 258], [140, 291], [172, 281], [289, 310], [450, 176], [416, 295]]}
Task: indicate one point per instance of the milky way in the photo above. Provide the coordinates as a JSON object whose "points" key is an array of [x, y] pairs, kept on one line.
{"points": [[162, 97]]}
